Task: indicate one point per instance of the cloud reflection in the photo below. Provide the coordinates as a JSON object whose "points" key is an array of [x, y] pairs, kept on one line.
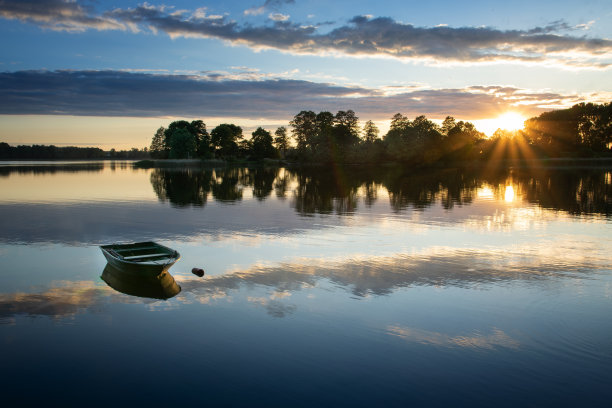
{"points": [[63, 300], [497, 338], [382, 276], [372, 276], [273, 307]]}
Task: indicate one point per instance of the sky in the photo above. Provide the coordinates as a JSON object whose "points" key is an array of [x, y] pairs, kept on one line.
{"points": [[109, 73]]}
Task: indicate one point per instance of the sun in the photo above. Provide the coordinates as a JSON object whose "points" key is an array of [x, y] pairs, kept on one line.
{"points": [[510, 121]]}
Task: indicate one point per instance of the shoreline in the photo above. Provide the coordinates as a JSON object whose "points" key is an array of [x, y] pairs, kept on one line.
{"points": [[560, 162]]}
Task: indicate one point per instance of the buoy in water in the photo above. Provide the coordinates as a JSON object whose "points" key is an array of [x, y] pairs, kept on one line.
{"points": [[198, 271]]}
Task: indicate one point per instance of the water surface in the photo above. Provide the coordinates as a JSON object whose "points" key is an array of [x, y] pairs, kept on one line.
{"points": [[323, 287]]}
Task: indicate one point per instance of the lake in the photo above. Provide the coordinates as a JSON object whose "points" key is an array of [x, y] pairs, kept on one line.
{"points": [[340, 286]]}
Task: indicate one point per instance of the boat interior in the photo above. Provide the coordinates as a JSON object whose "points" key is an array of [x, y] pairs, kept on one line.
{"points": [[145, 251]]}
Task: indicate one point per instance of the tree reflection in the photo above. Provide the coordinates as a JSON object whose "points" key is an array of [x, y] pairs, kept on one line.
{"points": [[338, 190], [225, 186], [182, 187], [325, 191], [578, 193], [422, 190], [281, 184], [263, 182], [39, 170]]}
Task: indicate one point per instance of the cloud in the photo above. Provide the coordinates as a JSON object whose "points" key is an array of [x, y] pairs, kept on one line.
{"points": [[248, 94], [269, 4], [60, 15], [360, 36], [278, 17]]}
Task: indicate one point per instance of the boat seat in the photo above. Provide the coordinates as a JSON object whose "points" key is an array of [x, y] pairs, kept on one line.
{"points": [[135, 249], [145, 256]]}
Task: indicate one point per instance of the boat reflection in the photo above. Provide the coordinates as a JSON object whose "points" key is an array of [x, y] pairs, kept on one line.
{"points": [[162, 286]]}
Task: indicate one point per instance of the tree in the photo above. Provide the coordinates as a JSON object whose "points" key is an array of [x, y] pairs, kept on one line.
{"points": [[304, 129], [399, 122], [224, 139], [584, 128], [183, 144], [280, 140], [349, 121], [460, 139], [5, 151], [244, 148], [345, 131], [370, 132], [173, 127], [448, 125], [158, 146], [261, 144], [324, 125], [198, 129], [415, 142], [324, 122]]}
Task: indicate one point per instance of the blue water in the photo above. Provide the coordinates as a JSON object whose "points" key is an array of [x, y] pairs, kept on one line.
{"points": [[323, 287]]}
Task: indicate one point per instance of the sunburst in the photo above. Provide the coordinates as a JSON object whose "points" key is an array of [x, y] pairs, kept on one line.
{"points": [[510, 121]]}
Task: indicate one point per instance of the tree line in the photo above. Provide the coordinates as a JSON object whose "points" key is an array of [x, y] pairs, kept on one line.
{"points": [[43, 152], [582, 130]]}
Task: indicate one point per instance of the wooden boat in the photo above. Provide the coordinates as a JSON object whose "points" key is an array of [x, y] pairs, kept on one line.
{"points": [[149, 258]]}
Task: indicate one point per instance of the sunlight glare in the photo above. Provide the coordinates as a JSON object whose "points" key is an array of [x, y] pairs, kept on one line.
{"points": [[509, 195], [485, 193], [510, 121]]}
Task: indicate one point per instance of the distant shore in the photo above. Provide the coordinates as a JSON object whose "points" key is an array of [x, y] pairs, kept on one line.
{"points": [[563, 162], [164, 163]]}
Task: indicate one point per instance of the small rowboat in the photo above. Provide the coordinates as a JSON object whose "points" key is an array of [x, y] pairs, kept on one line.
{"points": [[149, 258]]}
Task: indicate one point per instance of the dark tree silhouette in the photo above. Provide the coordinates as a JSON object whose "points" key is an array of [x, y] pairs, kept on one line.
{"points": [[370, 132], [304, 129], [580, 130], [183, 144], [281, 141], [261, 145], [224, 140], [158, 146]]}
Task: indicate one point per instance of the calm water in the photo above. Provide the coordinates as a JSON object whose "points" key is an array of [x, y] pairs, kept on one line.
{"points": [[336, 287]]}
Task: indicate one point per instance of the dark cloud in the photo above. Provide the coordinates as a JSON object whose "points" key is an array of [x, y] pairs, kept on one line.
{"points": [[118, 93], [381, 36], [57, 15], [115, 93]]}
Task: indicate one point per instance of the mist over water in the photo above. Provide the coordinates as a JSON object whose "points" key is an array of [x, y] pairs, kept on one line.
{"points": [[323, 286]]}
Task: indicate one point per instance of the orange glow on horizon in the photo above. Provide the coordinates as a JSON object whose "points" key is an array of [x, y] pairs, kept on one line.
{"points": [[510, 121]]}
